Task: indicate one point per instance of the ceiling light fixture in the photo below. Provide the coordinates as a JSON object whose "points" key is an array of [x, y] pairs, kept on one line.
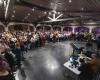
{"points": [[6, 7], [70, 1], [33, 9], [54, 18], [58, 12]]}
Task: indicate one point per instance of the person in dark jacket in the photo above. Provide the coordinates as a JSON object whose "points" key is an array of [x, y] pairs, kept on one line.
{"points": [[91, 70], [10, 59], [18, 55], [11, 45], [23, 50]]}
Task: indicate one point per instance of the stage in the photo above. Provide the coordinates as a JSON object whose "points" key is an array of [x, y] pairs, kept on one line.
{"points": [[46, 63]]}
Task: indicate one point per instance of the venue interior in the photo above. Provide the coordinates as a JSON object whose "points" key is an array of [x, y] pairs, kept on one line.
{"points": [[49, 39]]}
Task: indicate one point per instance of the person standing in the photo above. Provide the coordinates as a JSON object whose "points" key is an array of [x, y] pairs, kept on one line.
{"points": [[18, 54]]}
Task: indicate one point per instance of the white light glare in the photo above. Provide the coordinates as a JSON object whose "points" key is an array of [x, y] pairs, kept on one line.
{"points": [[33, 9], [1, 1], [70, 1]]}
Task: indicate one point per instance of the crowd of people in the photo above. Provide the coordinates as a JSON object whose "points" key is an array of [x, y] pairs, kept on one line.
{"points": [[13, 46]]}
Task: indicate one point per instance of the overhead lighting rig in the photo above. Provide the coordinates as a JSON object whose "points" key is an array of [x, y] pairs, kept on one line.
{"points": [[55, 15]]}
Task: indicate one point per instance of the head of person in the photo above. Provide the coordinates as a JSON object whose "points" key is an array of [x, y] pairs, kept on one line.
{"points": [[96, 59], [82, 61], [17, 45]]}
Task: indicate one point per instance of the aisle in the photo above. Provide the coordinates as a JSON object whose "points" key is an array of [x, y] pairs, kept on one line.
{"points": [[46, 63]]}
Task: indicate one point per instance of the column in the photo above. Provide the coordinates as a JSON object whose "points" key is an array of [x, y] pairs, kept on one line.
{"points": [[52, 28], [34, 29], [90, 28], [73, 27], [43, 28], [62, 28], [73, 30], [28, 28], [6, 28]]}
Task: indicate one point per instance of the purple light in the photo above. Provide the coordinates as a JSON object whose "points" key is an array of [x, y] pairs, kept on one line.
{"points": [[81, 29], [68, 29], [97, 29]]}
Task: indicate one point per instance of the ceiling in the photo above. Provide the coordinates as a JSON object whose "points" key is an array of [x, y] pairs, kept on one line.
{"points": [[35, 11], [1, 12]]}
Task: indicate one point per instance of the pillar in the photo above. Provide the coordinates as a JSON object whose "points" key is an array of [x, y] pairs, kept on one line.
{"points": [[51, 28], [43, 28], [73, 27], [28, 28], [90, 28], [73, 30], [34, 29], [6, 28], [62, 28]]}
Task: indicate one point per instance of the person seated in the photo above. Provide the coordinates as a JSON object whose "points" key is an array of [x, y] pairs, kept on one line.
{"points": [[5, 70], [91, 70]]}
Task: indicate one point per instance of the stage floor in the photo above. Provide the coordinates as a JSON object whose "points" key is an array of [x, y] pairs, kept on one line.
{"points": [[46, 63]]}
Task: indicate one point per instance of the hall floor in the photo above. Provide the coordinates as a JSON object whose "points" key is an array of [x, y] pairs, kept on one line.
{"points": [[46, 63]]}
